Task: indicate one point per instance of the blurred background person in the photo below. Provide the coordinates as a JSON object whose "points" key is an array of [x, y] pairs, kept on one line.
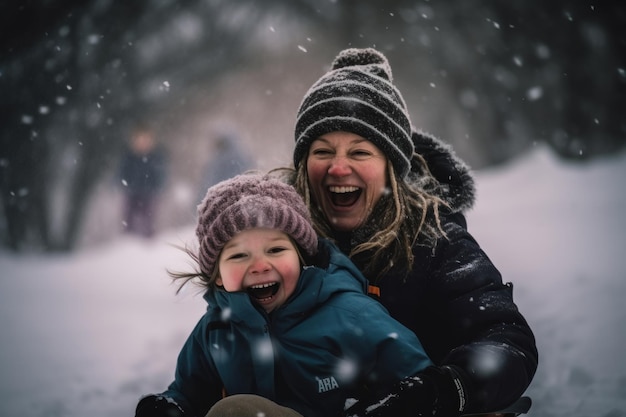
{"points": [[227, 158], [143, 171]]}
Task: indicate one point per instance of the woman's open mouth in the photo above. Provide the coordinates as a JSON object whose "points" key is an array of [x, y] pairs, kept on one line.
{"points": [[263, 291], [344, 196]]}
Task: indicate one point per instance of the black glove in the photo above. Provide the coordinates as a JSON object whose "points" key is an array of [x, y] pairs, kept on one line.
{"points": [[434, 392], [158, 406]]}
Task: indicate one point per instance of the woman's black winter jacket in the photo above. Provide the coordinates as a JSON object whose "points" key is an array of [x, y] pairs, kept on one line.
{"points": [[455, 301]]}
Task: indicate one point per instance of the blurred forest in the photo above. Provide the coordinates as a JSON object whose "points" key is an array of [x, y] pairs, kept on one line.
{"points": [[491, 78]]}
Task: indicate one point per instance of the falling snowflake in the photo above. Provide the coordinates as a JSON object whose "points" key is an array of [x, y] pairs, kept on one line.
{"points": [[226, 313], [264, 350], [534, 93], [346, 369]]}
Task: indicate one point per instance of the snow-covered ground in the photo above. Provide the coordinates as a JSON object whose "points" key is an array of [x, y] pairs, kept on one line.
{"points": [[87, 334]]}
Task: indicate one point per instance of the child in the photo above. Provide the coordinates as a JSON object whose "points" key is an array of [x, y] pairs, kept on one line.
{"points": [[288, 318]]}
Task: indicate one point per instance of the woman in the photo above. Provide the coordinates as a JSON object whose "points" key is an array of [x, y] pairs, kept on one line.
{"points": [[392, 199]]}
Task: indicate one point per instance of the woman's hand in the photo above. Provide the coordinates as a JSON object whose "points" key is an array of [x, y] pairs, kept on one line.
{"points": [[434, 392]]}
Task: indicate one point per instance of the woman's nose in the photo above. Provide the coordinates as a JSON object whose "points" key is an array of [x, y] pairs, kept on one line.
{"points": [[339, 167]]}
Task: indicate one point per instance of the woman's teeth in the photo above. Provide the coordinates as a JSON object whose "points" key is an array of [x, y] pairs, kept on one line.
{"points": [[342, 189]]}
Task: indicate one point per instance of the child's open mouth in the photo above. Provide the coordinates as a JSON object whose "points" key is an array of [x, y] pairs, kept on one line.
{"points": [[263, 291]]}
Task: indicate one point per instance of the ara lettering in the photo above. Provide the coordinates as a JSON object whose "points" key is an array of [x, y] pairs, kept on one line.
{"points": [[326, 384]]}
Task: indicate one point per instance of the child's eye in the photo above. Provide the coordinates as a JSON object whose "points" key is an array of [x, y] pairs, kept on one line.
{"points": [[236, 256], [277, 249]]}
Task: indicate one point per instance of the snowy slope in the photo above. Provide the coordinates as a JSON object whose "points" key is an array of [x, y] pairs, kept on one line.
{"points": [[87, 334], [558, 232]]}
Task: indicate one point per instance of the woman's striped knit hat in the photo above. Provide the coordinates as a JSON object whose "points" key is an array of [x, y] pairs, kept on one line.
{"points": [[357, 95], [249, 201]]}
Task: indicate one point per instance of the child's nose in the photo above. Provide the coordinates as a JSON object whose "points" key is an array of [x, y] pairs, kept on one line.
{"points": [[260, 265]]}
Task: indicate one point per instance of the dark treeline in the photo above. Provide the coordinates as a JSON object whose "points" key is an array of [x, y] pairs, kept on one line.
{"points": [[75, 75]]}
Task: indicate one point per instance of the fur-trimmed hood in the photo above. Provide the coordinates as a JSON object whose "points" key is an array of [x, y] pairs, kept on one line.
{"points": [[455, 180]]}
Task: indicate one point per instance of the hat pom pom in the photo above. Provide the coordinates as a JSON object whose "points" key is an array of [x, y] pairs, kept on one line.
{"points": [[364, 57]]}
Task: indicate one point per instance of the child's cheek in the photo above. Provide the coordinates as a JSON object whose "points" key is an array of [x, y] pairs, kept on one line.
{"points": [[232, 278]]}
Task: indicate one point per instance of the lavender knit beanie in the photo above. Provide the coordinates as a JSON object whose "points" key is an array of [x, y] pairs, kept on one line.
{"points": [[357, 95], [248, 201]]}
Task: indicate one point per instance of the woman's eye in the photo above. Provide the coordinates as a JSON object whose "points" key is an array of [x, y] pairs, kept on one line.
{"points": [[321, 152], [361, 153]]}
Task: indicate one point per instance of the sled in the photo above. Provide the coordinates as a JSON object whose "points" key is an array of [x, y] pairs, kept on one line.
{"points": [[519, 407]]}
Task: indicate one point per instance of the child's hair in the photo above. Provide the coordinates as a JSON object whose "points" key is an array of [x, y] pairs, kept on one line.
{"points": [[244, 202]]}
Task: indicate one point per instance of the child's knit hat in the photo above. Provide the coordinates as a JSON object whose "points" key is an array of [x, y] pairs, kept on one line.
{"points": [[249, 201], [357, 95]]}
